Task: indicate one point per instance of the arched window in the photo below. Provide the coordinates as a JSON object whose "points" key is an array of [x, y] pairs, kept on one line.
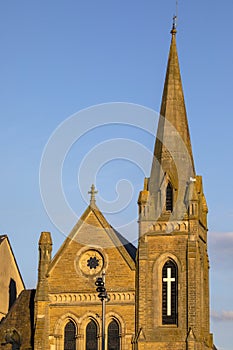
{"points": [[12, 292], [169, 293], [113, 336], [70, 336], [169, 197], [91, 336]]}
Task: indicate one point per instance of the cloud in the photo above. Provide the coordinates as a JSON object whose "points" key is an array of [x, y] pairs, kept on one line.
{"points": [[220, 236], [221, 249], [222, 316]]}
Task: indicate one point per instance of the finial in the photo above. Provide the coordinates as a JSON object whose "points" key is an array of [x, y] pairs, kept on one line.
{"points": [[92, 192], [174, 25]]}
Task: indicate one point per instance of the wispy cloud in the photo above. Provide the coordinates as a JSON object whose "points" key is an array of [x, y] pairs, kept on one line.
{"points": [[222, 316], [221, 249]]}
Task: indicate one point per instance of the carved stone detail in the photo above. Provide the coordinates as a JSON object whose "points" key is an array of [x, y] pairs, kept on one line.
{"points": [[68, 298], [169, 227]]}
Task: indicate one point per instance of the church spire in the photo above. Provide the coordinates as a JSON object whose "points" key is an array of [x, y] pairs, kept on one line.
{"points": [[173, 157], [173, 104], [172, 244]]}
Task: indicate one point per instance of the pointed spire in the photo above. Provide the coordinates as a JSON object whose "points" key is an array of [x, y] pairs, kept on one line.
{"points": [[173, 152], [173, 104], [92, 192]]}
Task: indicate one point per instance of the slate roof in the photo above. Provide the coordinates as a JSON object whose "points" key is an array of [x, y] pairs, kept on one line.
{"points": [[131, 249]]}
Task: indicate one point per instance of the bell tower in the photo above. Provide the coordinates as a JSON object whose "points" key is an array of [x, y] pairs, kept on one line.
{"points": [[172, 262]]}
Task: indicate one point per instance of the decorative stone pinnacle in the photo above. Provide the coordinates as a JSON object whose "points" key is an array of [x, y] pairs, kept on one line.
{"points": [[92, 192]]}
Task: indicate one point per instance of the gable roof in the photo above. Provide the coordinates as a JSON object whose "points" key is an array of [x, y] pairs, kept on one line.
{"points": [[131, 249], [126, 249], [2, 239]]}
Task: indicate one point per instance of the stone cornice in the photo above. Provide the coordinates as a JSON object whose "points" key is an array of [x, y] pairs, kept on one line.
{"points": [[87, 298]]}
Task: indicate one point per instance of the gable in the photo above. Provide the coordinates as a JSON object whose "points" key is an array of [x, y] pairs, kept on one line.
{"points": [[92, 241], [11, 282]]}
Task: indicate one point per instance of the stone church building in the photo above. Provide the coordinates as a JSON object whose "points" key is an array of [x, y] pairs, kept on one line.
{"points": [[158, 293], [11, 282]]}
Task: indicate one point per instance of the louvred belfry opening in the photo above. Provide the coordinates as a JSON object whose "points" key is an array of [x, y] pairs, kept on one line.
{"points": [[169, 197]]}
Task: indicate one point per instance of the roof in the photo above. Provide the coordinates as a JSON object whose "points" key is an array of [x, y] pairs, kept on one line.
{"points": [[126, 249], [125, 244], [21, 319], [173, 160], [173, 104], [173, 144], [2, 239], [131, 249]]}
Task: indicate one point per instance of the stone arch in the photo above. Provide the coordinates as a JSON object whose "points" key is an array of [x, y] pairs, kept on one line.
{"points": [[112, 316], [87, 317], [118, 318], [157, 286], [168, 182], [84, 321], [60, 326], [61, 322]]}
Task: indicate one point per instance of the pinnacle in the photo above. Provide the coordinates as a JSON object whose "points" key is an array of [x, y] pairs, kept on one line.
{"points": [[92, 192]]}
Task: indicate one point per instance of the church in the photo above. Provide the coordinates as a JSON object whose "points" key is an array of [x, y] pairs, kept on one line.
{"points": [[157, 295]]}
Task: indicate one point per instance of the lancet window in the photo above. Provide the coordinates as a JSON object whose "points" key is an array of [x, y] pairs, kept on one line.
{"points": [[91, 336], [169, 197], [113, 336], [70, 336], [169, 293]]}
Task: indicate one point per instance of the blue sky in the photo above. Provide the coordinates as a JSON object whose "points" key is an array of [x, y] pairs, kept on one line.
{"points": [[59, 57]]}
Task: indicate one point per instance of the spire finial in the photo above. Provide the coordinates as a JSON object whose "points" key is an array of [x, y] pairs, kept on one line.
{"points": [[174, 31], [174, 25], [92, 192]]}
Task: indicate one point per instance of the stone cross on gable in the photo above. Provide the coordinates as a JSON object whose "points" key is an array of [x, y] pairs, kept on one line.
{"points": [[92, 192], [169, 279]]}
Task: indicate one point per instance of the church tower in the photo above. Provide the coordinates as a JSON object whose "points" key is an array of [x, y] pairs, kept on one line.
{"points": [[172, 301]]}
